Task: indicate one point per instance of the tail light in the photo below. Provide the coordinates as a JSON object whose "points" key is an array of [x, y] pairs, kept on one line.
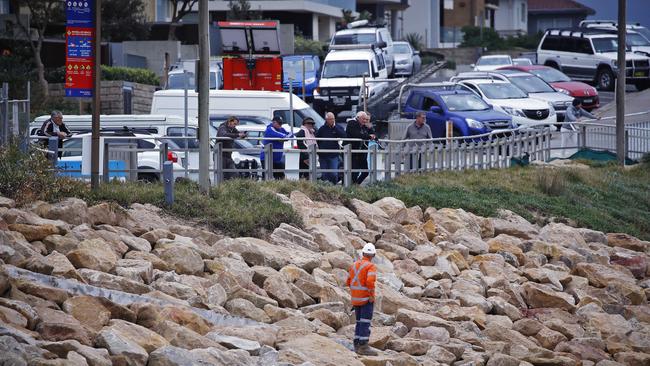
{"points": [[171, 156]]}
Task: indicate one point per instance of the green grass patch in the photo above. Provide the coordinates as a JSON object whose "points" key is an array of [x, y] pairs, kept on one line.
{"points": [[604, 197]]}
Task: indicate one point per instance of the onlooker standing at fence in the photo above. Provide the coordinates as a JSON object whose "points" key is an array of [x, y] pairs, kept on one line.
{"points": [[54, 127], [418, 130], [228, 129], [329, 159], [574, 112], [307, 138], [274, 130], [360, 128]]}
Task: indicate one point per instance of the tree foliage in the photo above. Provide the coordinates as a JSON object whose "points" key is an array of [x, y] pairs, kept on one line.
{"points": [[180, 8], [41, 14], [124, 20], [241, 10]]}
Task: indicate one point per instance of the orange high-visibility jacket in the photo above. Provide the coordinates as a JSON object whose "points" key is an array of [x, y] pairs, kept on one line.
{"points": [[361, 279]]}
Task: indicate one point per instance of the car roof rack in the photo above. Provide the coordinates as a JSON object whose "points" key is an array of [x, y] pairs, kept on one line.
{"points": [[365, 23], [340, 47], [578, 32]]}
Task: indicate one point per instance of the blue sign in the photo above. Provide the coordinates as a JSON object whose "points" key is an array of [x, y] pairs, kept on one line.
{"points": [[79, 93], [80, 13], [79, 42]]}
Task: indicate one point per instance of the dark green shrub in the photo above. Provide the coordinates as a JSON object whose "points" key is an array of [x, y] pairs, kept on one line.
{"points": [[142, 76]]}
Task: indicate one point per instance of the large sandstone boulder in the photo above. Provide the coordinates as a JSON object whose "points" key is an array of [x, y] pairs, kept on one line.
{"points": [[317, 350]]}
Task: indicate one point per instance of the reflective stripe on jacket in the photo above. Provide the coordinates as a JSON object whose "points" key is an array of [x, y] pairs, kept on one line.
{"points": [[361, 279]]}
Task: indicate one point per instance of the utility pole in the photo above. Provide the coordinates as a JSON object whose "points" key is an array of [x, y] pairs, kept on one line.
{"points": [[620, 85], [97, 76], [204, 97]]}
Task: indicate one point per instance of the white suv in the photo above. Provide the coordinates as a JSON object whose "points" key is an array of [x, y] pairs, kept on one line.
{"points": [[590, 54], [361, 34], [341, 80]]}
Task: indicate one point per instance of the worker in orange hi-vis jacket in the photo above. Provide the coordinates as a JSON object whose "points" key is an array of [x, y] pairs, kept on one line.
{"points": [[361, 279]]}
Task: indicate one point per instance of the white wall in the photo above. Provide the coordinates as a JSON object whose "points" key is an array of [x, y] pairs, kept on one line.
{"points": [[508, 18], [423, 17]]}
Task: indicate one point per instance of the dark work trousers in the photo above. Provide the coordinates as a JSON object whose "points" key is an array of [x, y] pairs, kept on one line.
{"points": [[359, 161], [364, 317], [228, 163]]}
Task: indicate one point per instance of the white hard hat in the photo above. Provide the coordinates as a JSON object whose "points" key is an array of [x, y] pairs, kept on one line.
{"points": [[369, 248]]}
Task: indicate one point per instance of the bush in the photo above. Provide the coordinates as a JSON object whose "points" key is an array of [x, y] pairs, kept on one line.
{"points": [[309, 47], [491, 40], [142, 76], [28, 177], [415, 40], [551, 181]]}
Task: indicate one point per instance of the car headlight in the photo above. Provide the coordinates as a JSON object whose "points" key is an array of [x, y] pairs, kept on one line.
{"points": [[568, 104], [474, 123], [563, 91], [310, 80], [402, 62], [324, 92], [513, 111], [355, 91]]}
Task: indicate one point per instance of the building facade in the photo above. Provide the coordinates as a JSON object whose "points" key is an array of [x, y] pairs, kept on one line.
{"points": [[544, 14], [511, 17]]}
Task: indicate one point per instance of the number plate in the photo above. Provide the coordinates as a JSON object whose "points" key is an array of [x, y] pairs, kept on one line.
{"points": [[338, 100], [587, 101], [640, 73]]}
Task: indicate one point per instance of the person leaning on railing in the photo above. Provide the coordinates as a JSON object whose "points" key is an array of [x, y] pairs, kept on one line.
{"points": [[329, 160], [360, 128], [54, 127], [418, 130], [229, 129], [307, 137], [275, 131], [574, 112]]}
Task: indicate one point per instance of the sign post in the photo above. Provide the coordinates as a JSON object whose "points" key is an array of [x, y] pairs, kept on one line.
{"points": [[82, 64]]}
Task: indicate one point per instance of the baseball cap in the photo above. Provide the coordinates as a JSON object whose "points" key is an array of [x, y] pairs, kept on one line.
{"points": [[308, 120], [277, 119]]}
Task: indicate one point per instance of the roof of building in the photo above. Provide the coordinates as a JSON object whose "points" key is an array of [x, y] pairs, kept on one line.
{"points": [[558, 6]]}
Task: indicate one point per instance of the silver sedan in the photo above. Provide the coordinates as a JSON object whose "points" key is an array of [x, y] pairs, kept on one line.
{"points": [[407, 60]]}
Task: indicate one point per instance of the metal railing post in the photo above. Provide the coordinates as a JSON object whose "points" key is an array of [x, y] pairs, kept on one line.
{"points": [[373, 164], [583, 136], [105, 162], [398, 159], [627, 143], [347, 166], [268, 161], [53, 148], [217, 158], [164, 149], [313, 161], [168, 181], [388, 161], [5, 114], [133, 162]]}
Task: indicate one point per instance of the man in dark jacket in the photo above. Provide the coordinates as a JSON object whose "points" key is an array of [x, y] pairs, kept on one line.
{"points": [[229, 130], [54, 127], [360, 128], [329, 159]]}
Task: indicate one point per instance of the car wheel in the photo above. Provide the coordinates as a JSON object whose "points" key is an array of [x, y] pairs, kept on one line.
{"points": [[642, 85], [553, 65], [148, 177], [605, 79]]}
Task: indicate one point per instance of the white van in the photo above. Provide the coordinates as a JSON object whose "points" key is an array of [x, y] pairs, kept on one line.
{"points": [[236, 102]]}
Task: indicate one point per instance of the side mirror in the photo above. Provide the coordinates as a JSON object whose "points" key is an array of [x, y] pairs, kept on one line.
{"points": [[436, 109], [381, 44], [375, 74]]}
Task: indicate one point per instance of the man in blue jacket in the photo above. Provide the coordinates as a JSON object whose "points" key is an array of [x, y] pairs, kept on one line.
{"points": [[330, 159], [275, 131]]}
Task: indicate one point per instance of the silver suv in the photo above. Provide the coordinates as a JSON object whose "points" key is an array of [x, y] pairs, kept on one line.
{"points": [[590, 54]]}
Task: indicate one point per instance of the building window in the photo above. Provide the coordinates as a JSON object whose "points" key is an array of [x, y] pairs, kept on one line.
{"points": [[523, 12], [162, 11], [4, 6]]}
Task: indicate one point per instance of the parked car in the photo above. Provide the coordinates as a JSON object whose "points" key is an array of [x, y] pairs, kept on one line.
{"points": [[522, 61], [148, 160], [612, 25], [362, 33], [590, 54], [492, 62], [407, 60], [292, 67], [343, 74], [529, 83], [562, 83], [469, 114], [506, 97]]}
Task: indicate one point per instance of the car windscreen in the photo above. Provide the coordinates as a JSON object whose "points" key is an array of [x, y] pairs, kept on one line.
{"points": [[295, 66], [531, 84], [493, 61], [464, 102], [522, 62], [550, 75], [644, 32], [359, 38], [637, 40], [607, 44], [177, 81], [502, 91], [346, 69], [402, 48]]}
